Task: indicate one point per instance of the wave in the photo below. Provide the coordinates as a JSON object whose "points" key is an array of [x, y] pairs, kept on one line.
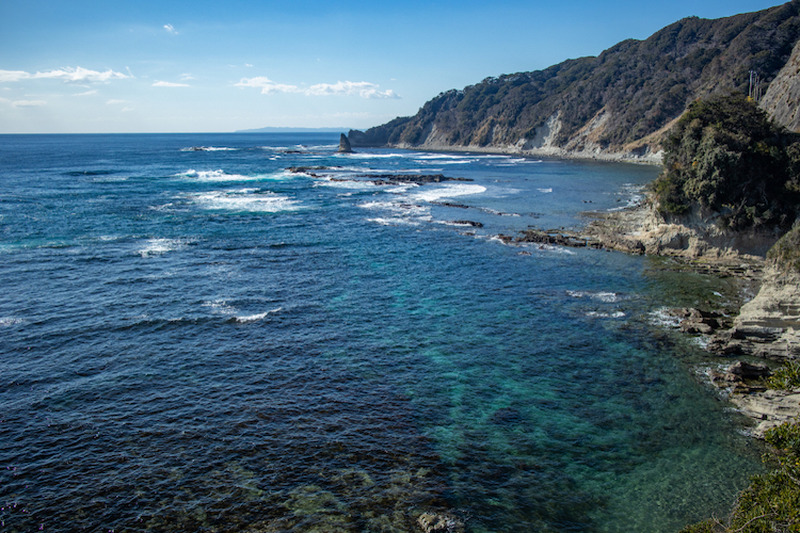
{"points": [[8, 321], [223, 308], [245, 201], [208, 149], [395, 221], [245, 319], [361, 155], [448, 191], [664, 317], [158, 246], [219, 175], [600, 296], [633, 195], [544, 190], [597, 314]]}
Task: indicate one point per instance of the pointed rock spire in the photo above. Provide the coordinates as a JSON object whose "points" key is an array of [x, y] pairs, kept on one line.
{"points": [[344, 145]]}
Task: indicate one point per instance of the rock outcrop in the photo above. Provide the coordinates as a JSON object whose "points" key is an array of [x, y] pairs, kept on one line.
{"points": [[768, 326], [344, 145], [782, 99]]}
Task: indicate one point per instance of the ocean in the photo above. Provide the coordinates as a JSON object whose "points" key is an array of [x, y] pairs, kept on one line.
{"points": [[251, 332]]}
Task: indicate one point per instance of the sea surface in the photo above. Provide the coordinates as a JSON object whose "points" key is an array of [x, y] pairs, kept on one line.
{"points": [[197, 335]]}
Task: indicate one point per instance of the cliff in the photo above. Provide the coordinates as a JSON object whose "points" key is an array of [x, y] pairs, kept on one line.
{"points": [[614, 105], [782, 99]]}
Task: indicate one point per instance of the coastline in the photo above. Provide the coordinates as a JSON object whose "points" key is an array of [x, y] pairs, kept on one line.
{"points": [[766, 329], [638, 155]]}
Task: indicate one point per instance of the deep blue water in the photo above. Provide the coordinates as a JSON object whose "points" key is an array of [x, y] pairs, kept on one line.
{"points": [[202, 340]]}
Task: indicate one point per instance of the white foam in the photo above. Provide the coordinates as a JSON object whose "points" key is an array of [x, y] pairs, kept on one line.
{"points": [[153, 247], [395, 221], [223, 308], [8, 321], [600, 296], [362, 155], [245, 200], [448, 191], [219, 175], [663, 317], [547, 190], [597, 314], [208, 149], [244, 319], [347, 184]]}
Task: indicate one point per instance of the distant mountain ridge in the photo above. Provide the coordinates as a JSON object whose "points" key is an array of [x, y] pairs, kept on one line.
{"points": [[614, 105]]}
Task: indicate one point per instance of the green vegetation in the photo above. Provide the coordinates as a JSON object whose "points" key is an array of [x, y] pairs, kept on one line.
{"points": [[785, 253], [772, 501], [786, 377], [726, 156]]}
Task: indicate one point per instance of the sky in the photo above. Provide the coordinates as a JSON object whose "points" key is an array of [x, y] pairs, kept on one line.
{"points": [[102, 66]]}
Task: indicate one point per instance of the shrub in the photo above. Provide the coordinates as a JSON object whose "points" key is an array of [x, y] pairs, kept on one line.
{"points": [[725, 155]]}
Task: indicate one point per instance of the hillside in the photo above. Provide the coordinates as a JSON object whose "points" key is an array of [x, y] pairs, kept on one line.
{"points": [[614, 105]]}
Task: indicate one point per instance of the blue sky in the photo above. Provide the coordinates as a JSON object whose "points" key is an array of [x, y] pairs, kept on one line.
{"points": [[80, 66]]}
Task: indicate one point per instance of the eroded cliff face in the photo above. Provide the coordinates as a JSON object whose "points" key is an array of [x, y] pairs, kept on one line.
{"points": [[768, 326], [782, 99], [544, 142]]}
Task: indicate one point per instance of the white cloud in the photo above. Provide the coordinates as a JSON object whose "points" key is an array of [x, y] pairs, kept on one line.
{"points": [[81, 75], [186, 77], [68, 74], [116, 102], [7, 76], [29, 103], [267, 86], [170, 29], [169, 84], [86, 93], [364, 89]]}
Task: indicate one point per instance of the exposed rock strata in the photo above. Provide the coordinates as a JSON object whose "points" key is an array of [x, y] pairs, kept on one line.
{"points": [[768, 326], [782, 99]]}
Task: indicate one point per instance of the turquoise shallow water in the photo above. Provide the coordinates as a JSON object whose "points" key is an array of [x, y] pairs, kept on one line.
{"points": [[199, 339]]}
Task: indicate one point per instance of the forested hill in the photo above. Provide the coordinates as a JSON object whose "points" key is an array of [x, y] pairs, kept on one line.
{"points": [[615, 104]]}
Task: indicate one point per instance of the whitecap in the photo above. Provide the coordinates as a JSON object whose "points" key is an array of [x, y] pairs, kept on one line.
{"points": [[8, 321], [220, 175], [597, 314], [394, 221], [246, 201], [448, 191], [664, 318], [363, 155], [547, 190], [601, 296], [346, 184], [245, 319], [208, 149], [160, 246]]}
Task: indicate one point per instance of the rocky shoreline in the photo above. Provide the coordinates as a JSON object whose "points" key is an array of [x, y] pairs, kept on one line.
{"points": [[767, 328]]}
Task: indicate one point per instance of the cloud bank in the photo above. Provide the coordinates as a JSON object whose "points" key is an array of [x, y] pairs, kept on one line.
{"points": [[363, 89], [67, 74]]}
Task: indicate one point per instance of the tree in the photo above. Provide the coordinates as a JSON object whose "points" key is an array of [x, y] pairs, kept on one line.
{"points": [[726, 156]]}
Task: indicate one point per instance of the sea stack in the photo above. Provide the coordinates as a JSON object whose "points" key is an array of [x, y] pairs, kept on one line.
{"points": [[344, 145]]}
